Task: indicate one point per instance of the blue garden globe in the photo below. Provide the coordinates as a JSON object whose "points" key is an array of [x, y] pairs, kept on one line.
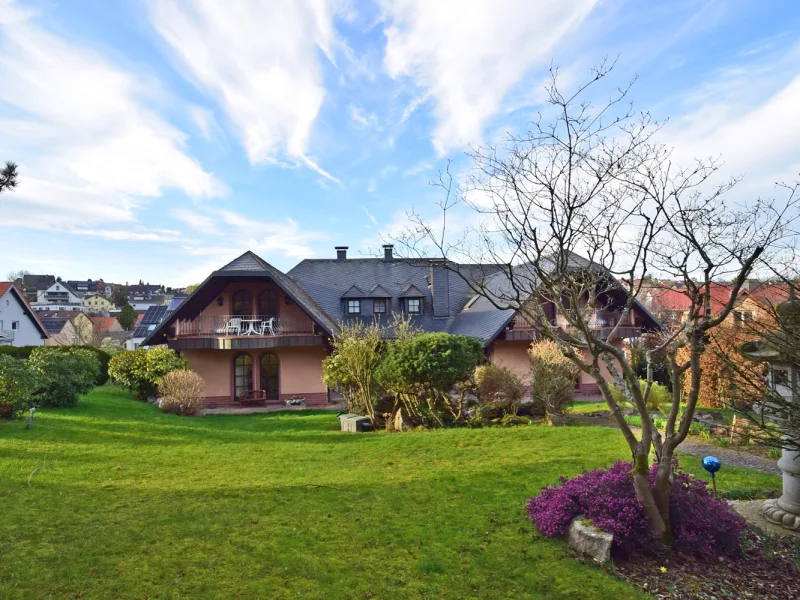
{"points": [[711, 464]]}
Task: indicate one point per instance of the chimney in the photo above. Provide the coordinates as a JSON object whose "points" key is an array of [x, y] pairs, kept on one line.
{"points": [[440, 288], [387, 253], [341, 252]]}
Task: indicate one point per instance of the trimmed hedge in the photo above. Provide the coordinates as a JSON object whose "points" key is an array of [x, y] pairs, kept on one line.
{"points": [[24, 352]]}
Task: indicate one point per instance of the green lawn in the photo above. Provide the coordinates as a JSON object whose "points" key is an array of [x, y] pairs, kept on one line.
{"points": [[131, 503]]}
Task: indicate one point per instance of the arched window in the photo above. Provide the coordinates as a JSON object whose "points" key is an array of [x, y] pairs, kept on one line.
{"points": [[242, 375], [269, 376], [241, 305], [268, 304]]}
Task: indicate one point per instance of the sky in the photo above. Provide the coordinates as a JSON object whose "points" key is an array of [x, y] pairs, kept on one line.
{"points": [[159, 139]]}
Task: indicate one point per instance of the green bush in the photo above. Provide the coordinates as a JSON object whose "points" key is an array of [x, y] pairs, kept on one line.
{"points": [[659, 395], [18, 384], [103, 356], [64, 374], [495, 384], [423, 370], [140, 371], [19, 352]]}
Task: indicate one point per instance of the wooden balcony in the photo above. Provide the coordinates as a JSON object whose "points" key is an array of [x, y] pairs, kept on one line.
{"points": [[242, 326], [601, 322]]}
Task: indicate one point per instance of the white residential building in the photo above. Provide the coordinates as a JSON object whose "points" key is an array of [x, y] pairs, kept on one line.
{"points": [[19, 325]]}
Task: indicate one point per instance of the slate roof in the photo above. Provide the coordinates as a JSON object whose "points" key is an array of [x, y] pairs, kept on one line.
{"points": [[354, 292], [327, 280], [54, 325]]}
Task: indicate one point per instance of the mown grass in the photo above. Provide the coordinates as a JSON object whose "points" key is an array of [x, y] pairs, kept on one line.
{"points": [[131, 503]]}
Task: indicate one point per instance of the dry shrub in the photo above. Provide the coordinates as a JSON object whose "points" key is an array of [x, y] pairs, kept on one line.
{"points": [[553, 378], [498, 385], [182, 392]]}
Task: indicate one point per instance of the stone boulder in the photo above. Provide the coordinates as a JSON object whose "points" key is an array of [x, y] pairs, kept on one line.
{"points": [[588, 540], [711, 420]]}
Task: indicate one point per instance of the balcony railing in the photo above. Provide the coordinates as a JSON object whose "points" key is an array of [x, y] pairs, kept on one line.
{"points": [[598, 319], [243, 326]]}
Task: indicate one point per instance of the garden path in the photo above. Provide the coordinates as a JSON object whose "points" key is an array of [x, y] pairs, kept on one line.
{"points": [[700, 448]]}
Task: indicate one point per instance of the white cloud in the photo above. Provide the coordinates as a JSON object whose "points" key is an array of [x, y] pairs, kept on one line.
{"points": [[746, 116], [261, 60], [469, 55], [372, 185], [372, 219], [362, 118], [285, 237], [85, 138]]}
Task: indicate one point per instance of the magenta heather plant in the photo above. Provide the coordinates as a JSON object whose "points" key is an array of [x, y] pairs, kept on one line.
{"points": [[702, 525]]}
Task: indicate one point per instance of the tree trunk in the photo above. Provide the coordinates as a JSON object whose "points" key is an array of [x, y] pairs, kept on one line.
{"points": [[662, 490], [641, 484]]}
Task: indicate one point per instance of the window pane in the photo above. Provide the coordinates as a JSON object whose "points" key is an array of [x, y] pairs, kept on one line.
{"points": [[379, 306], [413, 305], [241, 304], [269, 376], [353, 306], [268, 304], [243, 375]]}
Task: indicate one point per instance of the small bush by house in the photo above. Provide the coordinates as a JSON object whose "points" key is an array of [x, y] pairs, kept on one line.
{"points": [[64, 374], [18, 386], [702, 525], [498, 385], [140, 371], [553, 378], [181, 392]]}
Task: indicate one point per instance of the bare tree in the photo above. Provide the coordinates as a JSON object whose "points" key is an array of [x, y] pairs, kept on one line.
{"points": [[571, 217], [17, 275]]}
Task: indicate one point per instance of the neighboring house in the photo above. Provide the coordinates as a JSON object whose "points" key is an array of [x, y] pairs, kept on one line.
{"points": [[83, 287], [59, 294], [146, 323], [107, 332], [31, 284], [99, 303], [249, 326], [19, 324], [671, 303], [68, 328]]}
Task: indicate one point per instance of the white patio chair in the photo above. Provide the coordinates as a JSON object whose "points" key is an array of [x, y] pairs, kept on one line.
{"points": [[268, 326], [234, 326]]}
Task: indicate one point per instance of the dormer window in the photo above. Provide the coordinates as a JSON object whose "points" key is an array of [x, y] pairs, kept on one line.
{"points": [[413, 306], [379, 305], [354, 307]]}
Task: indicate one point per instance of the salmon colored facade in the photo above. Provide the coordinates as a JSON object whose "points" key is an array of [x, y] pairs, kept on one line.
{"points": [[259, 336]]}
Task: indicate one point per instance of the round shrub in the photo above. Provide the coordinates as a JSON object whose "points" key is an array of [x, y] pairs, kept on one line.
{"points": [[64, 374], [140, 371], [18, 384], [182, 392], [702, 525], [103, 357], [553, 377], [494, 383]]}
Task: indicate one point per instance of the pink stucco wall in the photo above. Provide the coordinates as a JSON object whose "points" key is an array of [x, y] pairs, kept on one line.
{"points": [[299, 369], [513, 356]]}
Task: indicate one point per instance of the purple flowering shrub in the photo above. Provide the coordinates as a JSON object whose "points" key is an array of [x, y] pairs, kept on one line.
{"points": [[702, 525]]}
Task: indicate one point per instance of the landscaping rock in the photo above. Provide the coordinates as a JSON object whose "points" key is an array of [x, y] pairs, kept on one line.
{"points": [[402, 422], [586, 539], [711, 420]]}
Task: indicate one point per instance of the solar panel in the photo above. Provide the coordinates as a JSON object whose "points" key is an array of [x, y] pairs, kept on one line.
{"points": [[154, 314], [176, 302]]}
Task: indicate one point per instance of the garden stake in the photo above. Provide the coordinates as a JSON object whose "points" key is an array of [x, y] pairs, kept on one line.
{"points": [[712, 465], [30, 419]]}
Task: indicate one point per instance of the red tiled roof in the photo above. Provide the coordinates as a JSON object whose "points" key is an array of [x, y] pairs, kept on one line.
{"points": [[102, 324], [139, 318]]}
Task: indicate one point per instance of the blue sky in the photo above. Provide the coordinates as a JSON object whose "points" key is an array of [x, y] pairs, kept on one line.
{"points": [[159, 139]]}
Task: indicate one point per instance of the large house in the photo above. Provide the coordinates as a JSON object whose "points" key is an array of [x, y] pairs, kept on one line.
{"points": [[252, 328], [19, 324], [59, 296]]}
